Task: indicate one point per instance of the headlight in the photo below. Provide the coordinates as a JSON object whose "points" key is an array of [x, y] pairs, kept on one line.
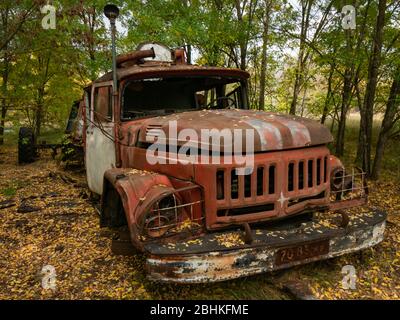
{"points": [[163, 215], [337, 177]]}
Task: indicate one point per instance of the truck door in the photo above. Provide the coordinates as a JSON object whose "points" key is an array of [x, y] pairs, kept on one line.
{"points": [[100, 146]]}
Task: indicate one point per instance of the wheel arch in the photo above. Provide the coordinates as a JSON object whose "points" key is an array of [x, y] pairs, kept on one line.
{"points": [[127, 194]]}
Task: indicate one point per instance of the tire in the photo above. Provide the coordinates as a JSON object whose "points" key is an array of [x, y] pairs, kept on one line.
{"points": [[112, 211], [26, 146]]}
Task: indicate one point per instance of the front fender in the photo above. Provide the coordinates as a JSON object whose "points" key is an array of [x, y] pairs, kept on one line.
{"points": [[138, 190], [335, 163], [337, 171]]}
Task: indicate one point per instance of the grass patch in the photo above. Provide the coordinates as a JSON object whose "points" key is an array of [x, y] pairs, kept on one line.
{"points": [[50, 135], [391, 159], [9, 191]]}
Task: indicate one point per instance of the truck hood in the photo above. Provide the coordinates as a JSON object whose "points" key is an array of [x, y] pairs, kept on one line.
{"points": [[271, 131]]}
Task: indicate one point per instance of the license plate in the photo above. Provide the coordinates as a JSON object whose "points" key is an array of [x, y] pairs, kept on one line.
{"points": [[302, 252]]}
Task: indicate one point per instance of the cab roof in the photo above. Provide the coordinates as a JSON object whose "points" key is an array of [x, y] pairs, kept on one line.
{"points": [[154, 69]]}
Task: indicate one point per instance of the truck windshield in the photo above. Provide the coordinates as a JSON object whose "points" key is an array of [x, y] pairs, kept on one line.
{"points": [[157, 96]]}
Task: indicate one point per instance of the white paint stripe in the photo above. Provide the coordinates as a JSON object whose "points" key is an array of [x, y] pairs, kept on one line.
{"points": [[264, 130], [299, 132]]}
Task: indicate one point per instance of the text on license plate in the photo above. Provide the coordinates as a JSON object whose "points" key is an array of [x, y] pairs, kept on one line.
{"points": [[302, 252]]}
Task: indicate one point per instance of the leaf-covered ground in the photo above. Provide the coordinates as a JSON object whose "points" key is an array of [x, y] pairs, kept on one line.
{"points": [[62, 230]]}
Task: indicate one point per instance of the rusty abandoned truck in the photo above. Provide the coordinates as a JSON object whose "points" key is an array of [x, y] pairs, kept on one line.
{"points": [[203, 222]]}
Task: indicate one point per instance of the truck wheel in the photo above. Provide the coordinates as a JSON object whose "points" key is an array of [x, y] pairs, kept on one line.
{"points": [[26, 146]]}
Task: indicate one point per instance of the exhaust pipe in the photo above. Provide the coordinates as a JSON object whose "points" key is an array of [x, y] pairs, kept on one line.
{"points": [[112, 12]]}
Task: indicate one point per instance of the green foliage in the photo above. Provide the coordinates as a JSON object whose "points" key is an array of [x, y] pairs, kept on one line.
{"points": [[44, 71], [11, 189], [25, 141], [9, 192]]}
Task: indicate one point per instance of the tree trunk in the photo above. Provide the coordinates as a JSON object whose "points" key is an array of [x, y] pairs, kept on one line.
{"points": [[41, 92], [246, 24], [261, 99], [38, 113], [4, 100], [6, 72], [346, 95], [189, 53], [301, 63], [303, 101], [296, 91], [2, 121], [361, 37], [369, 99], [360, 130], [328, 95], [392, 107]]}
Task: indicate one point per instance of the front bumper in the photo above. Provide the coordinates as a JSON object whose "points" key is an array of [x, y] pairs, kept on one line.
{"points": [[222, 256]]}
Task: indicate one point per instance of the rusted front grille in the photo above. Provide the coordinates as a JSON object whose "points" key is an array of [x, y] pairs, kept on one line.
{"points": [[276, 186], [260, 182], [301, 175], [281, 183], [306, 173]]}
